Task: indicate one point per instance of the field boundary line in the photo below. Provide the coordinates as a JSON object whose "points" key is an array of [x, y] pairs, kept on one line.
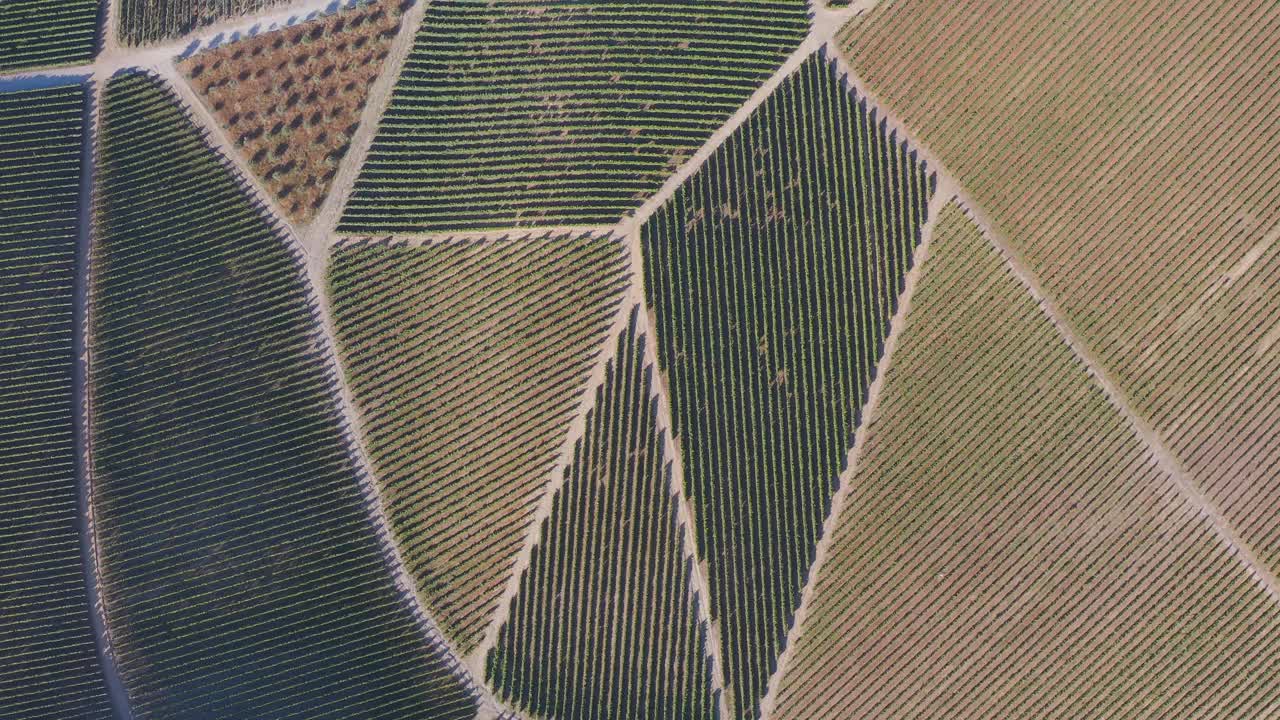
{"points": [[826, 21], [376, 103], [1160, 453], [479, 236], [108, 27], [573, 434], [943, 193], [82, 394], [684, 512]]}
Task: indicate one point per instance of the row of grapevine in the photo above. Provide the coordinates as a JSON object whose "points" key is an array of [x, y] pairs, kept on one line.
{"points": [[1008, 548], [48, 660], [606, 623], [291, 99], [773, 273], [148, 21], [527, 112], [467, 360], [242, 574], [1129, 153], [43, 33]]}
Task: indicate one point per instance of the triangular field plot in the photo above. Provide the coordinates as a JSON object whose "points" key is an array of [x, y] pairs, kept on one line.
{"points": [[773, 273], [606, 624], [291, 99], [467, 360], [1008, 547]]}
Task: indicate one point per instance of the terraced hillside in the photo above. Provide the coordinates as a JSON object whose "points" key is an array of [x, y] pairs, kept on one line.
{"points": [[523, 112], [291, 99], [467, 360], [1009, 549], [242, 575], [772, 274], [150, 21], [1128, 152], [606, 622], [50, 664], [47, 33]]}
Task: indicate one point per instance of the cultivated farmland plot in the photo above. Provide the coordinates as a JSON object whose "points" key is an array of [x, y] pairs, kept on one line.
{"points": [[48, 662], [636, 359]]}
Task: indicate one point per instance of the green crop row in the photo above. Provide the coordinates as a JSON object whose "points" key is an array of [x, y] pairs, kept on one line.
{"points": [[528, 112], [606, 623], [242, 575], [467, 361], [773, 273], [42, 33], [147, 21], [48, 661]]}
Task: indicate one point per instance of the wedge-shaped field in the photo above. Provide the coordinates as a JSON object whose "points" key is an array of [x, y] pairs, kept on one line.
{"points": [[467, 360], [1129, 151], [1009, 549], [606, 622], [48, 661], [243, 578], [47, 32], [522, 112], [773, 274], [149, 21], [291, 99]]}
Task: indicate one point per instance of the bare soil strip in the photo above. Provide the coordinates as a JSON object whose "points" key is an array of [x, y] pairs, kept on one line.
{"points": [[82, 402], [555, 480], [320, 233], [1160, 453], [943, 194], [684, 513]]}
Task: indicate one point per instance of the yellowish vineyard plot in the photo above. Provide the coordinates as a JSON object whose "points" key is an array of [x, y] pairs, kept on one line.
{"points": [[1129, 150], [467, 360], [1009, 549]]}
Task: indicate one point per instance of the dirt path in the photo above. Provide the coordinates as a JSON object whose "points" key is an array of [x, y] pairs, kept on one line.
{"points": [[1186, 486], [944, 193], [319, 234], [82, 398]]}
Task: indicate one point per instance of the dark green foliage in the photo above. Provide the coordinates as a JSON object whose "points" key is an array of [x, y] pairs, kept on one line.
{"points": [[243, 578], [773, 273], [606, 623], [148, 21], [48, 661], [523, 112], [44, 33]]}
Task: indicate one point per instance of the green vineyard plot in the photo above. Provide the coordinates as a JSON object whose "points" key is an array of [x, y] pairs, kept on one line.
{"points": [[1128, 152], [242, 575], [606, 624], [1008, 549], [48, 662], [47, 33], [772, 274], [467, 360], [523, 112], [150, 21]]}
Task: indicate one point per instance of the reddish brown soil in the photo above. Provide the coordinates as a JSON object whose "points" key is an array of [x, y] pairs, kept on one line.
{"points": [[291, 99]]}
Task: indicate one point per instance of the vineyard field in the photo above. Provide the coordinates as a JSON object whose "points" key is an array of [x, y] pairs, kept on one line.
{"points": [[48, 660], [524, 112], [467, 360], [151, 21], [242, 574], [47, 33], [1128, 152], [772, 274], [1008, 548], [606, 623], [291, 99]]}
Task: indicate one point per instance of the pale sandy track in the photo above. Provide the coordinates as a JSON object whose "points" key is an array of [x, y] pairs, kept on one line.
{"points": [[82, 393], [943, 193]]}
